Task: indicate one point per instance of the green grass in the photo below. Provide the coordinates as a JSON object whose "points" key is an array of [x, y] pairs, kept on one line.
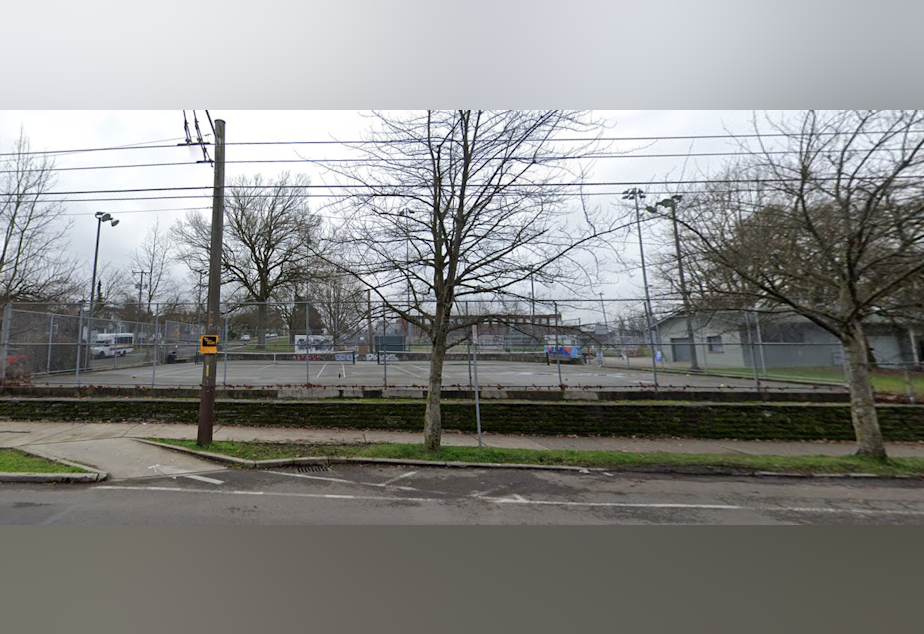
{"points": [[603, 459], [886, 381], [15, 461]]}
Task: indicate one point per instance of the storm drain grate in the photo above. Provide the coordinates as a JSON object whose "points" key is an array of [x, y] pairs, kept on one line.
{"points": [[305, 468]]}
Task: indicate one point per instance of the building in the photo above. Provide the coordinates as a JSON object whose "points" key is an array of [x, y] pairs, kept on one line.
{"points": [[775, 340]]}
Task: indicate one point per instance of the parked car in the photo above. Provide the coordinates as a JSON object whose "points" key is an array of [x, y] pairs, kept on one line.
{"points": [[245, 337]]}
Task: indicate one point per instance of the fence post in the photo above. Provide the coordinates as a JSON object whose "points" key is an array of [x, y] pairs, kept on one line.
{"points": [[156, 332], [909, 388], [51, 330], [225, 346], [5, 338], [79, 340], [385, 351], [468, 357], [477, 401], [747, 323], [557, 350], [760, 345], [307, 335]]}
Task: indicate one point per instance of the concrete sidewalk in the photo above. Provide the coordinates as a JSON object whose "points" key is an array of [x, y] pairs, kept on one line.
{"points": [[111, 447]]}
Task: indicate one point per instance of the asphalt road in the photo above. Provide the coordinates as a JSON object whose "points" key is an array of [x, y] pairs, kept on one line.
{"points": [[354, 494]]}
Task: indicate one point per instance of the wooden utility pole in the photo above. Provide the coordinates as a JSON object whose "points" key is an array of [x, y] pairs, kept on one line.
{"points": [[210, 359]]}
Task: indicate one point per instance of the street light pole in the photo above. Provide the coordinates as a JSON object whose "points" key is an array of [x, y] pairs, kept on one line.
{"points": [[407, 213], [100, 219], [636, 194], [671, 203]]}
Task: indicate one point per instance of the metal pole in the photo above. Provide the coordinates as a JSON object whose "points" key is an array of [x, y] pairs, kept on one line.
{"points": [[51, 330], [702, 338], [384, 348], [606, 331], [224, 347], [635, 194], [557, 355], [747, 323], [468, 357], [156, 333], [369, 319], [307, 334], [477, 401], [407, 250], [79, 339], [5, 339], [909, 389], [210, 362], [99, 224], [760, 345]]}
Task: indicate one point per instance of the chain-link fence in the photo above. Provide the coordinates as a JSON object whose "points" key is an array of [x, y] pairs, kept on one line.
{"points": [[589, 344]]}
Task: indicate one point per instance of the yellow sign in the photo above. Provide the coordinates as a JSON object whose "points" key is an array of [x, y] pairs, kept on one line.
{"points": [[208, 344]]}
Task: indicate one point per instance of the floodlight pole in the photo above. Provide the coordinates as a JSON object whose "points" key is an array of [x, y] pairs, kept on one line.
{"points": [[210, 360]]}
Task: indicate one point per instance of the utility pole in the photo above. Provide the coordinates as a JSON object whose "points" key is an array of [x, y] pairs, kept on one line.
{"points": [[210, 360], [671, 203]]}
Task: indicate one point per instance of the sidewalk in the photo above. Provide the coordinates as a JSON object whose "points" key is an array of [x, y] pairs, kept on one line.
{"points": [[111, 447]]}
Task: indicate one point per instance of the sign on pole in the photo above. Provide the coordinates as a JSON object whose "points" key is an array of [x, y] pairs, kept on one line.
{"points": [[208, 344]]}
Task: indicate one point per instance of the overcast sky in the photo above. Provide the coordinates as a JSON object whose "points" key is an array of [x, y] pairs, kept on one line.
{"points": [[85, 130]]}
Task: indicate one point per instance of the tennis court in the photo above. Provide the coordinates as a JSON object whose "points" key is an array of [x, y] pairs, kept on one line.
{"points": [[283, 370]]}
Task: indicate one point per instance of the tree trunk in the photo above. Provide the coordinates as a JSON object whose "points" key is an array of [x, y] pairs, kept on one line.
{"points": [[862, 403], [433, 427], [261, 325]]}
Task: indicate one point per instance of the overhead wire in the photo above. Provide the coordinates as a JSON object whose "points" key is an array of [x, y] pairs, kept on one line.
{"points": [[141, 146]]}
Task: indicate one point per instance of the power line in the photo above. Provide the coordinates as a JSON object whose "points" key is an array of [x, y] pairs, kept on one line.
{"points": [[136, 146], [360, 161], [398, 190], [689, 137]]}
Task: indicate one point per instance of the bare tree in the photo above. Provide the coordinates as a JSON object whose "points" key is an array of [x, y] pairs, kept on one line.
{"points": [[34, 229], [829, 226], [341, 304], [447, 206], [266, 234], [151, 261]]}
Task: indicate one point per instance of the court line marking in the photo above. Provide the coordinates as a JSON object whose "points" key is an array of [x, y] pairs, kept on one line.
{"points": [[322, 370], [526, 502], [411, 374]]}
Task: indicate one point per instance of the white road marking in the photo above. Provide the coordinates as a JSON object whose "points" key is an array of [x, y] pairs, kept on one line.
{"points": [[308, 477], [396, 478], [322, 370], [343, 367], [201, 478], [512, 500]]}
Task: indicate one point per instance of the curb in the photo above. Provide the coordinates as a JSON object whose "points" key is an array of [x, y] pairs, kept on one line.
{"points": [[203, 454], [69, 478], [287, 462], [92, 475]]}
